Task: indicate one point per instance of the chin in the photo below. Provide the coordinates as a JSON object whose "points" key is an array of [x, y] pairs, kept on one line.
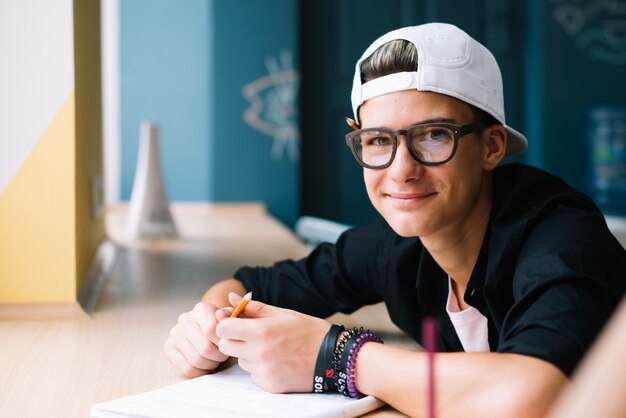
{"points": [[410, 221], [404, 224], [406, 227], [406, 232]]}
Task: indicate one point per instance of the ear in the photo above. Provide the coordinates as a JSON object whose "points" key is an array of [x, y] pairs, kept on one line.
{"points": [[495, 138]]}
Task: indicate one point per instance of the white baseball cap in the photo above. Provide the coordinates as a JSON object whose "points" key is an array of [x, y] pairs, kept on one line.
{"points": [[449, 62]]}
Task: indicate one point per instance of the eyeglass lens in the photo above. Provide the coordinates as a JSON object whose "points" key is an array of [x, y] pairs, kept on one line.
{"points": [[430, 144]]}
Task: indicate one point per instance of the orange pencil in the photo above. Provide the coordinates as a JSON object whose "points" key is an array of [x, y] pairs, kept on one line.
{"points": [[352, 123], [242, 304]]}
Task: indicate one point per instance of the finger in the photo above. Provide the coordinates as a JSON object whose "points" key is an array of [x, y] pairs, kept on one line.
{"points": [[192, 356], [248, 327], [179, 361], [246, 365], [252, 368], [203, 315], [223, 313], [256, 309], [242, 329], [203, 346], [233, 348]]}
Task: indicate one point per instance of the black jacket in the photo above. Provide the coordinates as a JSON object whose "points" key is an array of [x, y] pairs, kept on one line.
{"points": [[548, 276]]}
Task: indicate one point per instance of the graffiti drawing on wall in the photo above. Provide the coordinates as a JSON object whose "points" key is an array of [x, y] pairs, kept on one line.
{"points": [[597, 26], [273, 107]]}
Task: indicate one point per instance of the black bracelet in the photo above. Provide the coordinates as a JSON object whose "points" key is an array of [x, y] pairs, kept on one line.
{"points": [[329, 351], [320, 383]]}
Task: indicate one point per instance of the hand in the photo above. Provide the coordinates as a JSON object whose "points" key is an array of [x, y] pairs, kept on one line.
{"points": [[277, 346], [192, 343]]}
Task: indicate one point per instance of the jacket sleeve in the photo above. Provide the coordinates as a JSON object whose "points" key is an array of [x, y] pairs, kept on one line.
{"points": [[333, 278], [569, 278]]}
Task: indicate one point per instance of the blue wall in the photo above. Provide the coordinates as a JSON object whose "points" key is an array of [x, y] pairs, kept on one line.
{"points": [[165, 78], [573, 68], [184, 65], [252, 39]]}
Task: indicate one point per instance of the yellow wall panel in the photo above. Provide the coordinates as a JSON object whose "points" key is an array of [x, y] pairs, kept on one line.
{"points": [[37, 219]]}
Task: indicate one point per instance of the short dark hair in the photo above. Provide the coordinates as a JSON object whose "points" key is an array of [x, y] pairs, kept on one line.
{"points": [[399, 56]]}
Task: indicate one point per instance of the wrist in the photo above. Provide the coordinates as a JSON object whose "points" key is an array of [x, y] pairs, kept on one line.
{"points": [[369, 372], [353, 355], [345, 357]]}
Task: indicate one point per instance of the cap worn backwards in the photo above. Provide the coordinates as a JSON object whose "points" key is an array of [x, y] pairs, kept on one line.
{"points": [[449, 62]]}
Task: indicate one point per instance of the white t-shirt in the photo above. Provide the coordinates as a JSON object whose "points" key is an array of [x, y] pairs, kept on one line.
{"points": [[470, 325]]}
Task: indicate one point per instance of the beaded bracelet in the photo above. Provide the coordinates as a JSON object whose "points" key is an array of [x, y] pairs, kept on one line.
{"points": [[344, 359], [339, 373], [351, 363]]}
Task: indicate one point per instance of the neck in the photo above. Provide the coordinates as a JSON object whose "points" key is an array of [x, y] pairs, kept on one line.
{"points": [[455, 249]]}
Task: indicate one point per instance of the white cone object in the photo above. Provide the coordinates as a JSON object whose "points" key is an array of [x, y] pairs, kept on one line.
{"points": [[149, 213]]}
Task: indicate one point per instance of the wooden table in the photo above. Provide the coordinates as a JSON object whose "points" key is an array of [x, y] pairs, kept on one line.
{"points": [[58, 368]]}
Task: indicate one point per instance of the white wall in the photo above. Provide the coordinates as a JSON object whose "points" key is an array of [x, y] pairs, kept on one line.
{"points": [[36, 75]]}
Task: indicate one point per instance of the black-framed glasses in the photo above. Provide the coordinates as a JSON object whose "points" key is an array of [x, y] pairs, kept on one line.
{"points": [[428, 143]]}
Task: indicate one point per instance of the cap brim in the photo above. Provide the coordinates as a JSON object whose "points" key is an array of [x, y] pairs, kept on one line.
{"points": [[516, 142]]}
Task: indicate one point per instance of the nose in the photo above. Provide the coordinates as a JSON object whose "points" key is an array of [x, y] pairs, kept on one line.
{"points": [[404, 167]]}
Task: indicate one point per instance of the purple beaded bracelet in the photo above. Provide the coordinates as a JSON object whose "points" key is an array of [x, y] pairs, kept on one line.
{"points": [[351, 363]]}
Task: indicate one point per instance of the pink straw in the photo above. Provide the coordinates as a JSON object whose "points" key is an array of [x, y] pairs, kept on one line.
{"points": [[429, 339]]}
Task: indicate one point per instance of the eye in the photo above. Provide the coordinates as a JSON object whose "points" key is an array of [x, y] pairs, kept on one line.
{"points": [[433, 141], [437, 135], [376, 141], [432, 134]]}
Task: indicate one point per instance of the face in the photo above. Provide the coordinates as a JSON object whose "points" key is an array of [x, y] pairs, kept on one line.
{"points": [[419, 200]]}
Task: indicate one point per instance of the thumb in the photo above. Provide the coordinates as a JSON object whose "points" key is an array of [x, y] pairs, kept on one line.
{"points": [[254, 308], [234, 299]]}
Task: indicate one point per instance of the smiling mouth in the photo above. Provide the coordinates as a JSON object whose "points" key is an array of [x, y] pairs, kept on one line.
{"points": [[410, 199]]}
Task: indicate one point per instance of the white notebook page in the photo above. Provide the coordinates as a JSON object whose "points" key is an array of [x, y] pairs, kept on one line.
{"points": [[229, 394]]}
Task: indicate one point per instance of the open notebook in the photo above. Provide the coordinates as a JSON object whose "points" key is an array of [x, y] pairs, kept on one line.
{"points": [[229, 394]]}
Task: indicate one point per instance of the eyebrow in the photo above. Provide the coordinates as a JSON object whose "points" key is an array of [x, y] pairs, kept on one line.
{"points": [[432, 120], [435, 120]]}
